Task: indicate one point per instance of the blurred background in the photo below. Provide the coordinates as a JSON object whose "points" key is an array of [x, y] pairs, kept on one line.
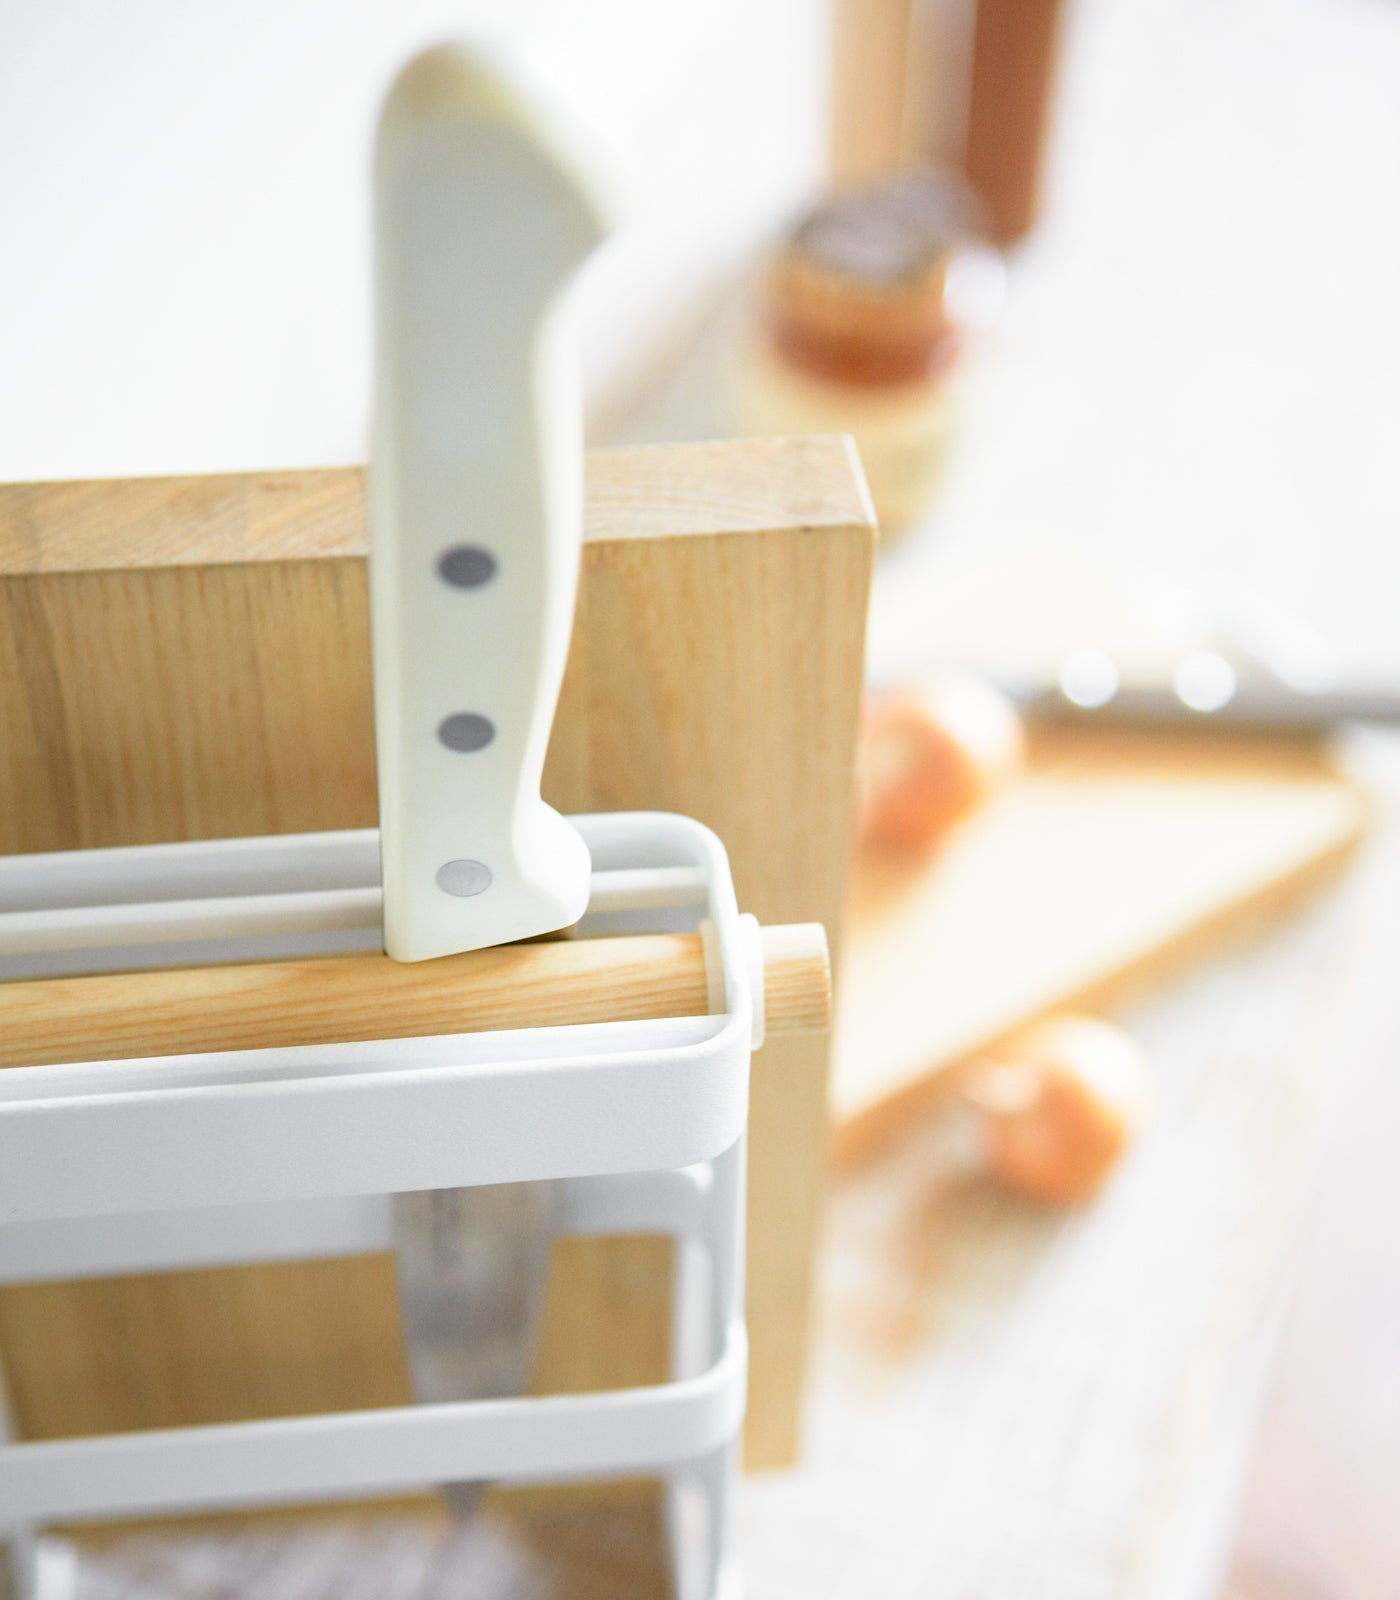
{"points": [[1105, 290]]}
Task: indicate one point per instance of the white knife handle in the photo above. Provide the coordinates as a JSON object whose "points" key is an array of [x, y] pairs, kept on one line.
{"points": [[475, 500]]}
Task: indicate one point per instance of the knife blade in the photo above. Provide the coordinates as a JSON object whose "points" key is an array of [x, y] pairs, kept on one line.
{"points": [[473, 1274]]}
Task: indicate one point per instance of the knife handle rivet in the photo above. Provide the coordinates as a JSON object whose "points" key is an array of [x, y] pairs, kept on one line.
{"points": [[463, 878], [466, 566], [466, 731]]}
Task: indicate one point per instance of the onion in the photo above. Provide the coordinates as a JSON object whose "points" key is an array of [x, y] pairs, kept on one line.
{"points": [[930, 754], [1063, 1101]]}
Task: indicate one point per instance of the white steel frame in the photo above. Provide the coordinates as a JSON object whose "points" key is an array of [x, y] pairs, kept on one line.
{"points": [[182, 1161]]}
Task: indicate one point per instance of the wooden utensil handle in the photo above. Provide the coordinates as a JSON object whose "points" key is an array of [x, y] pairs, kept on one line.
{"points": [[335, 999]]}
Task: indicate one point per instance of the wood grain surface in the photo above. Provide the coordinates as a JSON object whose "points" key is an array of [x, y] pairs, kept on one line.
{"points": [[871, 45], [1114, 857], [341, 999], [1015, 57], [190, 659], [136, 524]]}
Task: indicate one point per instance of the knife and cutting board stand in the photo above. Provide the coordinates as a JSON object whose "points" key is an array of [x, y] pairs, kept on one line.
{"points": [[216, 1088], [124, 1165]]}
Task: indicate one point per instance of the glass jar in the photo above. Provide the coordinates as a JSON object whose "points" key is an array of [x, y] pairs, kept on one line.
{"points": [[861, 330]]}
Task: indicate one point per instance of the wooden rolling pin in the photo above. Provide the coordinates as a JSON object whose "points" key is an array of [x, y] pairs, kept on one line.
{"points": [[335, 999]]}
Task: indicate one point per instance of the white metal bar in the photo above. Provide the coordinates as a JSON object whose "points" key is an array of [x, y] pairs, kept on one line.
{"points": [[65, 1248], [291, 914], [646, 888], [209, 869], [243, 916], [418, 1127], [623, 1433], [53, 1570], [672, 1201], [197, 869]]}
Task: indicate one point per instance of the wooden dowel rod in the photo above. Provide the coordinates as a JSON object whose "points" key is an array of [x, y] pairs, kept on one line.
{"points": [[796, 978], [334, 999]]}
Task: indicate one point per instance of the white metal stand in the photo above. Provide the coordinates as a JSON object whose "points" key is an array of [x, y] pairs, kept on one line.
{"points": [[154, 1165]]}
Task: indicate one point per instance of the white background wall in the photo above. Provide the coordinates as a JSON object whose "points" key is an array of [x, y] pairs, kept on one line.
{"points": [[183, 277]]}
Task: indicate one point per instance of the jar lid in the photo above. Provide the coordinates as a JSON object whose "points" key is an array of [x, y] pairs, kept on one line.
{"points": [[857, 290]]}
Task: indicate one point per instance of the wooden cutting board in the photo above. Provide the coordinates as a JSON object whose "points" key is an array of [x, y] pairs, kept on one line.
{"points": [[1117, 855]]}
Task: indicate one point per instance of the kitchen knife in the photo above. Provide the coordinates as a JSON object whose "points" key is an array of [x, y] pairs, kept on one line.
{"points": [[483, 215], [1202, 691]]}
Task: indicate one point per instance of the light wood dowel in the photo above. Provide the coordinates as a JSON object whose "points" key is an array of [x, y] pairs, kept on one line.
{"points": [[796, 978], [262, 1005]]}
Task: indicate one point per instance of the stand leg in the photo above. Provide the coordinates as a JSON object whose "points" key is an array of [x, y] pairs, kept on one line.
{"points": [[16, 1568], [32, 1566], [36, 1567], [718, 1480], [17, 1543], [708, 1295]]}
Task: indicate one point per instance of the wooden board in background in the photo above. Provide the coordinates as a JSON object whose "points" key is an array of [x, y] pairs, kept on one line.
{"points": [[189, 658], [1117, 854]]}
